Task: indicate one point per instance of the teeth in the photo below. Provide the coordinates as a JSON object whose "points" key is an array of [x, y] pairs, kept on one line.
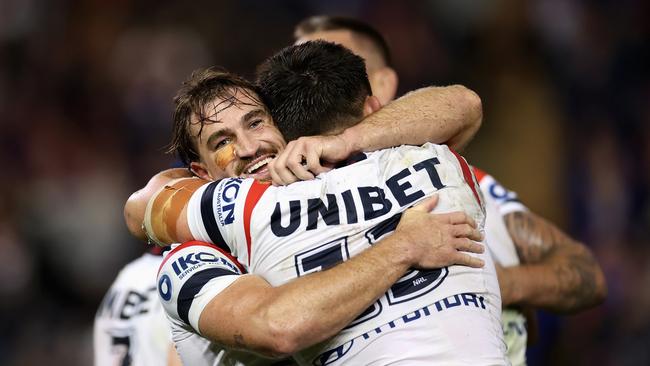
{"points": [[258, 165]]}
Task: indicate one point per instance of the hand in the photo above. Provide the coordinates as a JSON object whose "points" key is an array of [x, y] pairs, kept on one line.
{"points": [[439, 240], [301, 159]]}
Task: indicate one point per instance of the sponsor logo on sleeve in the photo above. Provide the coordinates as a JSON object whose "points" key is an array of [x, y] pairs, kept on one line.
{"points": [[189, 262], [226, 197], [165, 287]]}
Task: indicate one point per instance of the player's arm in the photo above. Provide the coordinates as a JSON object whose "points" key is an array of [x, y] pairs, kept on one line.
{"points": [[450, 115], [443, 115], [557, 273], [169, 200], [251, 314], [173, 359]]}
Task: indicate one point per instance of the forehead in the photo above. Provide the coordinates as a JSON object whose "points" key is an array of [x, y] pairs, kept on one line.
{"points": [[340, 36], [227, 109]]}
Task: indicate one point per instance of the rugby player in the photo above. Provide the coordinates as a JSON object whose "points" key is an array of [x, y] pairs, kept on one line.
{"points": [[464, 308], [453, 115], [539, 265], [130, 326]]}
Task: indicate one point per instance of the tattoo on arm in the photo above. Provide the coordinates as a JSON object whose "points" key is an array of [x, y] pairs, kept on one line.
{"points": [[573, 270], [534, 237]]}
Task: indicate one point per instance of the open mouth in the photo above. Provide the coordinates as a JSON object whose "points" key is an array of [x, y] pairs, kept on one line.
{"points": [[258, 165]]}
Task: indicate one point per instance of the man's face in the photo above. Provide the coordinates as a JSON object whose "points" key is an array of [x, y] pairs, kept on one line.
{"points": [[239, 139]]}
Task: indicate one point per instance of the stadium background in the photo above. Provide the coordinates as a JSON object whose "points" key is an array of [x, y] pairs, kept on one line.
{"points": [[85, 90]]}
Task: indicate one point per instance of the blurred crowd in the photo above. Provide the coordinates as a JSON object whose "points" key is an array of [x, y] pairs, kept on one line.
{"points": [[85, 106]]}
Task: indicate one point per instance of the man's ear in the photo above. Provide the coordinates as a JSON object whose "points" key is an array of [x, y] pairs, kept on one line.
{"points": [[371, 105], [200, 170], [384, 84]]}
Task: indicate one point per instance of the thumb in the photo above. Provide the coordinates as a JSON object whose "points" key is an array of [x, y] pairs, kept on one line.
{"points": [[427, 205]]}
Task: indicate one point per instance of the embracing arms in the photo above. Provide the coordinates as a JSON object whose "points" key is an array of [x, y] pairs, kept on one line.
{"points": [[556, 273], [277, 321], [451, 115]]}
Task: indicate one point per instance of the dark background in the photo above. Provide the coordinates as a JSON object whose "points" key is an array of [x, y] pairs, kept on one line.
{"points": [[85, 98]]}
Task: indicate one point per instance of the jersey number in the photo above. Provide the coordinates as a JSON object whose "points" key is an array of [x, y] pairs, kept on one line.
{"points": [[122, 347], [413, 284]]}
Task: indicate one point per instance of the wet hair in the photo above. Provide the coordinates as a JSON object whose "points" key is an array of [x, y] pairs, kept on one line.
{"points": [[313, 88], [203, 87], [321, 23]]}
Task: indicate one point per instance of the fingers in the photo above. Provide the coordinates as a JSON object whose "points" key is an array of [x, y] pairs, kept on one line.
{"points": [[468, 260], [470, 246], [466, 231], [298, 169], [456, 217], [300, 160], [427, 205]]}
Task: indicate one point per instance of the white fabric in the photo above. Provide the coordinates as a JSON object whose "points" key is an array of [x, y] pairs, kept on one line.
{"points": [[499, 202], [283, 248], [185, 268], [130, 323], [450, 335]]}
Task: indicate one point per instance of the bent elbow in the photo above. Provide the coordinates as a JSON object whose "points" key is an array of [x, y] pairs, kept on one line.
{"points": [[133, 215], [601, 288], [284, 340], [472, 103]]}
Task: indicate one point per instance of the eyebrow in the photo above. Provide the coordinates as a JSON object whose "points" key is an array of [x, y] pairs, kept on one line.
{"points": [[252, 114]]}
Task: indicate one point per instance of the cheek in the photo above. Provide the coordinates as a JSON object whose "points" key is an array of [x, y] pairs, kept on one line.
{"points": [[224, 156]]}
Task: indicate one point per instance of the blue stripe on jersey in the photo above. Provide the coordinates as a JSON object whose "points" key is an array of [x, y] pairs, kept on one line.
{"points": [[192, 287], [209, 219]]}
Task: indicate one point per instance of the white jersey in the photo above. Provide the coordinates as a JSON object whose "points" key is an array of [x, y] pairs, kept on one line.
{"points": [[281, 233], [190, 276], [499, 202], [130, 325]]}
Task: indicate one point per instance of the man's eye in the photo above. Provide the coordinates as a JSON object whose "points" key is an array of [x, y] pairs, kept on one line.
{"points": [[256, 123], [221, 143]]}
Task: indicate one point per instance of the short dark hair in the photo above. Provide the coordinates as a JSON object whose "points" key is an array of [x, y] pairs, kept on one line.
{"points": [[201, 88], [313, 88], [321, 23]]}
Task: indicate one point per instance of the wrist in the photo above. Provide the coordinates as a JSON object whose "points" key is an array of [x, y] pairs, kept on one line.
{"points": [[511, 282], [398, 249], [352, 140]]}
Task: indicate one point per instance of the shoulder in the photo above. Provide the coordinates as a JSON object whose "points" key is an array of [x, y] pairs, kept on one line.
{"points": [[190, 275], [507, 201]]}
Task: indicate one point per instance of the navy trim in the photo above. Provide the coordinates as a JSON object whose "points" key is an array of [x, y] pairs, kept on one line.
{"points": [[209, 218], [193, 286]]}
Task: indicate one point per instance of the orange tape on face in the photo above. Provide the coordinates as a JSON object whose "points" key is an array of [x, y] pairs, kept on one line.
{"points": [[224, 156]]}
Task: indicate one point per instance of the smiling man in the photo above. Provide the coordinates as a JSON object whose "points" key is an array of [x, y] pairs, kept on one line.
{"points": [[215, 216]]}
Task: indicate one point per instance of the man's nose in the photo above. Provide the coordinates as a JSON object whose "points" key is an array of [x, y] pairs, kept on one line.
{"points": [[246, 146]]}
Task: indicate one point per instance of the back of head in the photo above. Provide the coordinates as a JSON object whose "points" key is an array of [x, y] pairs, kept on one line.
{"points": [[323, 23], [314, 88]]}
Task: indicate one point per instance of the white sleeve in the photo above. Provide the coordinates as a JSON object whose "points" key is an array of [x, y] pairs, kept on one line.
{"points": [[505, 200], [213, 210], [191, 275], [195, 215]]}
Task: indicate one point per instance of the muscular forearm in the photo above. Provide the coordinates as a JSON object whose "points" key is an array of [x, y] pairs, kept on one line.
{"points": [[557, 273], [315, 307], [450, 115]]}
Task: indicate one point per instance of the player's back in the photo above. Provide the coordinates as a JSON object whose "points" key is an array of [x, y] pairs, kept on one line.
{"points": [[282, 233], [130, 325]]}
